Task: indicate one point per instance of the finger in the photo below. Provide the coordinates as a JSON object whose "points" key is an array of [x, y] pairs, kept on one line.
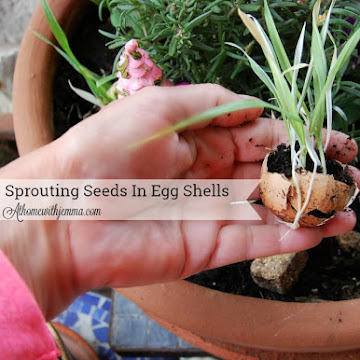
{"points": [[340, 224], [212, 152], [266, 217], [254, 141], [163, 107], [246, 170], [354, 173], [241, 242], [194, 99], [341, 146], [211, 156], [201, 153]]}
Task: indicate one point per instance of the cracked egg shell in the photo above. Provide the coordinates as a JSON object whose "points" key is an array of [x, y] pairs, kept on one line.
{"points": [[278, 194]]}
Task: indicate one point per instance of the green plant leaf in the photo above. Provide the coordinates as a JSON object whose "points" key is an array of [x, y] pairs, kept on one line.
{"points": [[198, 20], [56, 29], [297, 60], [329, 98], [86, 95], [259, 71], [344, 54], [211, 114], [106, 79], [325, 27], [318, 61], [99, 91], [283, 93], [276, 41], [295, 67], [75, 65]]}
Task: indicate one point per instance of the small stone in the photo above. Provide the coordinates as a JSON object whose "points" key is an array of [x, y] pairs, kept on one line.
{"points": [[349, 241], [278, 273]]}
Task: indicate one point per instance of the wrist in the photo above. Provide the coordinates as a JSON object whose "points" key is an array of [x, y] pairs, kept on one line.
{"points": [[40, 253]]}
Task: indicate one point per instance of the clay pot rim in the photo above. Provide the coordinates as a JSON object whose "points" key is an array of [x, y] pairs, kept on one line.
{"points": [[33, 119], [278, 328], [235, 352], [33, 78]]}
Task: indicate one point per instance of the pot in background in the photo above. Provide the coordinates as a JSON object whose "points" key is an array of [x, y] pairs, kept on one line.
{"points": [[240, 327], [34, 74]]}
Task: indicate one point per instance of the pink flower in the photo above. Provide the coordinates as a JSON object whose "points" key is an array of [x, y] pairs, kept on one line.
{"points": [[136, 70]]}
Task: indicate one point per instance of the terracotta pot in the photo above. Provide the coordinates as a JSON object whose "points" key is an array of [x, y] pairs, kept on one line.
{"points": [[233, 322], [226, 325], [34, 74], [235, 352]]}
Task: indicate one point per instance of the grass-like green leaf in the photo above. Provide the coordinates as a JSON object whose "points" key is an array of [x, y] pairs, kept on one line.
{"points": [[283, 92], [276, 41], [58, 32], [325, 27], [319, 63], [329, 98], [86, 95], [265, 78], [105, 80], [295, 68], [97, 84], [212, 114], [344, 54], [297, 60], [68, 58], [197, 21]]}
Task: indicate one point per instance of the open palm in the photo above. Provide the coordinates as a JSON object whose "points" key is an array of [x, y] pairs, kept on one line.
{"points": [[127, 253]]}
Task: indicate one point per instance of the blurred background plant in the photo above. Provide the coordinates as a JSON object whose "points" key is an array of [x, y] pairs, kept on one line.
{"points": [[188, 40]]}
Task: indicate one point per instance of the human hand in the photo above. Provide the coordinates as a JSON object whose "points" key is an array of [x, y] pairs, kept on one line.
{"points": [[66, 258]]}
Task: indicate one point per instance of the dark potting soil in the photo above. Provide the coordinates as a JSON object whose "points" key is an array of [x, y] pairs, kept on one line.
{"points": [[330, 274], [8, 152], [89, 46], [279, 161]]}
